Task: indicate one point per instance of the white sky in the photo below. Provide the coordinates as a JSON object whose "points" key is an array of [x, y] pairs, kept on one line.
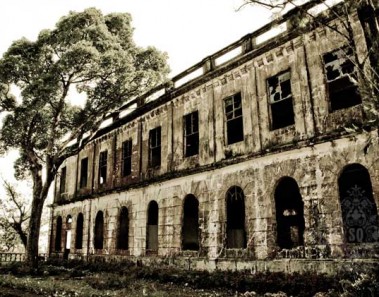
{"points": [[188, 30]]}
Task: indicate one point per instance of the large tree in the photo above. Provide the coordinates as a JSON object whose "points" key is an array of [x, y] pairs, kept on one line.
{"points": [[91, 52]]}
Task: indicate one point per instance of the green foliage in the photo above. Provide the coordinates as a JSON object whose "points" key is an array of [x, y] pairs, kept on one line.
{"points": [[14, 217], [15, 268], [363, 284], [87, 51], [8, 237]]}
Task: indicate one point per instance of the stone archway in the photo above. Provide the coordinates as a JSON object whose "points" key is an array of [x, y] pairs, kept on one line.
{"points": [[99, 231], [235, 218], [358, 207], [289, 214], [152, 227], [190, 227]]}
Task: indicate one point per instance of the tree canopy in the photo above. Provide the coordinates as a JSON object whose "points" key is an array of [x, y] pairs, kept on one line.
{"points": [[92, 52], [89, 51]]}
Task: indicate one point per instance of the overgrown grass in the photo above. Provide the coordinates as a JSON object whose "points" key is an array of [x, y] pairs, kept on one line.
{"points": [[113, 278]]}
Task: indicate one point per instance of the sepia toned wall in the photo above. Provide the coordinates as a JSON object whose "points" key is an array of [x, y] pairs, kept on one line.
{"points": [[313, 151]]}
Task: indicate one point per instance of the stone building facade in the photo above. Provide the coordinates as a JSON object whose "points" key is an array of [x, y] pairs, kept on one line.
{"points": [[244, 162]]}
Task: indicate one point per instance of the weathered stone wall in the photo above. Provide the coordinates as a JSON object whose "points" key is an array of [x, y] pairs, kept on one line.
{"points": [[315, 169], [313, 151]]}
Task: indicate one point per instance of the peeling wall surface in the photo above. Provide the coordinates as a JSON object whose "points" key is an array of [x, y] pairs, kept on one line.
{"points": [[272, 173]]}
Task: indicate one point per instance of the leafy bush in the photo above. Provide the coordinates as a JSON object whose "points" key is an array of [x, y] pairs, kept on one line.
{"points": [[15, 268]]}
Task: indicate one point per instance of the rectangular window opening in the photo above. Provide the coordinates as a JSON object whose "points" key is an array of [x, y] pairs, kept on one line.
{"points": [[155, 147], [103, 159], [342, 80], [191, 134], [83, 172], [280, 99], [234, 119], [126, 158]]}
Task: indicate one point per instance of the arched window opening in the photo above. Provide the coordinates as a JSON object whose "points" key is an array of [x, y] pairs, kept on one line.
{"points": [[99, 231], [152, 227], [235, 218], [289, 214], [190, 228], [359, 212], [67, 245], [123, 232], [58, 234], [79, 232]]}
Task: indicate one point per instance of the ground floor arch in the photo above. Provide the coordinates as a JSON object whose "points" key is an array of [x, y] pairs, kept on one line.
{"points": [[190, 225], [152, 227], [289, 208], [123, 229], [99, 231], [358, 207], [235, 218]]}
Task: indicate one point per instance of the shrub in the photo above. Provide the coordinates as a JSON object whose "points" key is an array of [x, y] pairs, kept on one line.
{"points": [[119, 275]]}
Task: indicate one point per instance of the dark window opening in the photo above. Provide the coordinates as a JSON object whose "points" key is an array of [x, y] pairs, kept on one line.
{"points": [[190, 228], [152, 227], [67, 246], [58, 234], [99, 231], [341, 77], [280, 99], [62, 186], [103, 160], [234, 119], [191, 134], [359, 211], [289, 214], [126, 158], [155, 147], [235, 218], [83, 172], [123, 232], [79, 232]]}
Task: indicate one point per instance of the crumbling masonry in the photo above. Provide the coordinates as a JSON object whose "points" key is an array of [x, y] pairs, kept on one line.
{"points": [[244, 162]]}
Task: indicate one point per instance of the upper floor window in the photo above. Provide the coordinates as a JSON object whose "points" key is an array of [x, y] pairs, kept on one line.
{"points": [[62, 186], [280, 99], [341, 77], [234, 120], [155, 147], [191, 134], [103, 159], [83, 172], [126, 157]]}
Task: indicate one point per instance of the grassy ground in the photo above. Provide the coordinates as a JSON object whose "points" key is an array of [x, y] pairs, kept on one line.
{"points": [[11, 285], [84, 279]]}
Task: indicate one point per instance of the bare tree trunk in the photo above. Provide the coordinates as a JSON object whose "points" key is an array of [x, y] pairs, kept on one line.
{"points": [[34, 230], [23, 236], [369, 23]]}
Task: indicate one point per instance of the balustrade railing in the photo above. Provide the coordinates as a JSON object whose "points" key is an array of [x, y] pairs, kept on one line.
{"points": [[17, 257]]}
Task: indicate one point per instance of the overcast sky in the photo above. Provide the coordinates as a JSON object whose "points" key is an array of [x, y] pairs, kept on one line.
{"points": [[188, 30]]}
